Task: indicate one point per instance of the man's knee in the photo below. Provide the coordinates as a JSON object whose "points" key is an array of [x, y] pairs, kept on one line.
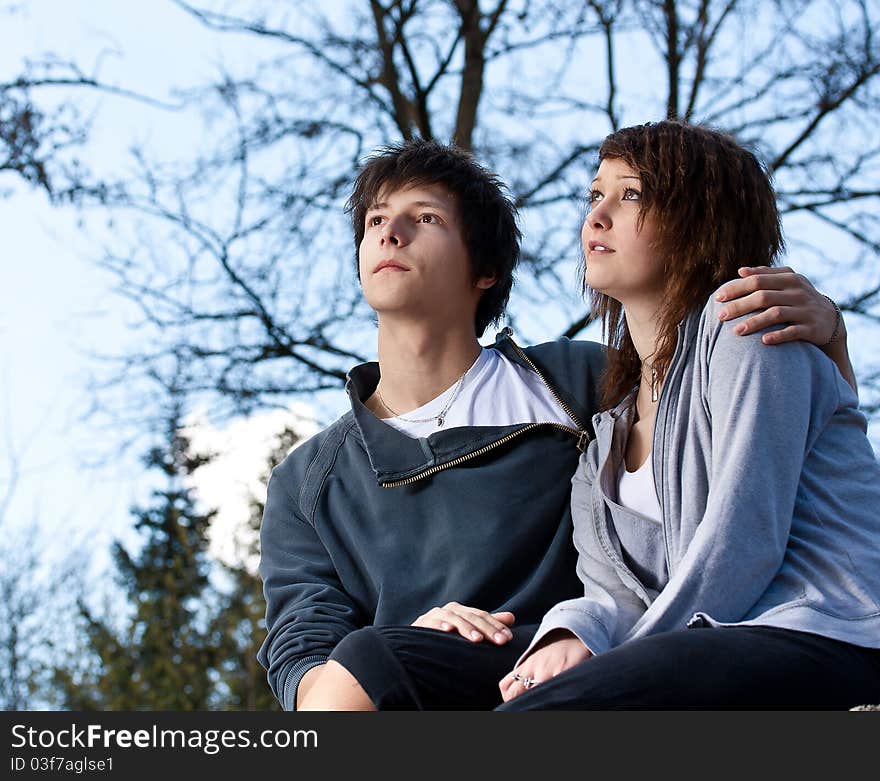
{"points": [[357, 644]]}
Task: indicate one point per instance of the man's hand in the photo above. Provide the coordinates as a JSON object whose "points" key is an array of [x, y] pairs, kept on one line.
{"points": [[558, 651], [469, 622], [786, 297]]}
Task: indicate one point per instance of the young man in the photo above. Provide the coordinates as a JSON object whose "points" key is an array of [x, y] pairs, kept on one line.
{"points": [[447, 483]]}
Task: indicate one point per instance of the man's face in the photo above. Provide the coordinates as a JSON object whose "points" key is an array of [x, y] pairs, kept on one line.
{"points": [[413, 261]]}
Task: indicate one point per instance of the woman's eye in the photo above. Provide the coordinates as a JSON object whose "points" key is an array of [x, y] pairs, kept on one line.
{"points": [[594, 197], [631, 195]]}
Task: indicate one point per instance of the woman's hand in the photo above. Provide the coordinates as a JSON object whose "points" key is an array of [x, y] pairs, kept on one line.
{"points": [[787, 297], [558, 651], [469, 622]]}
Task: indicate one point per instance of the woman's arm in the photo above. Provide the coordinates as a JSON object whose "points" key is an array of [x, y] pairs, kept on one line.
{"points": [[608, 609], [765, 408]]}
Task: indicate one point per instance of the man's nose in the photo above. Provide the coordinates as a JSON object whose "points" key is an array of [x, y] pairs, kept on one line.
{"points": [[393, 233]]}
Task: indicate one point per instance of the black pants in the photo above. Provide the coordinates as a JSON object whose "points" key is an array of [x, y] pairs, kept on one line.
{"points": [[713, 669], [407, 668]]}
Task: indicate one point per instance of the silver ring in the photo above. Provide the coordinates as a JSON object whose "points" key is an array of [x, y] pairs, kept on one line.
{"points": [[526, 680]]}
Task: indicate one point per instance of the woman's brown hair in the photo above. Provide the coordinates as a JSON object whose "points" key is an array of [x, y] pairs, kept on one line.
{"points": [[714, 210]]}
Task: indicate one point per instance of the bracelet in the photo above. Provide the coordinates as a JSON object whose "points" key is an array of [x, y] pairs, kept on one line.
{"points": [[836, 331]]}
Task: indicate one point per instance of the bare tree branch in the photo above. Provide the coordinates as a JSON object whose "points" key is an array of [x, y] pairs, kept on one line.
{"points": [[239, 260]]}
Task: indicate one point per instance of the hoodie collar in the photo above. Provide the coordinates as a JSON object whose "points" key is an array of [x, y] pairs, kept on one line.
{"points": [[395, 456]]}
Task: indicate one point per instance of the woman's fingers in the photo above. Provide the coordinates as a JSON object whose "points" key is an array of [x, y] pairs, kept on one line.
{"points": [[505, 686], [516, 682]]}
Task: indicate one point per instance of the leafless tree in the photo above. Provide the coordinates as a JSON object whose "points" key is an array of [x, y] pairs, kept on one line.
{"points": [[239, 260], [35, 600], [42, 140]]}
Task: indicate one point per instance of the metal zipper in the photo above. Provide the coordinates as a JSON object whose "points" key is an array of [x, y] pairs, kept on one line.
{"points": [[601, 525], [658, 462], [467, 457], [582, 441], [509, 333]]}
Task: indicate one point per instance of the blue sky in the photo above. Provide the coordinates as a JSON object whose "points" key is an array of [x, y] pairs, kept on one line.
{"points": [[55, 305]]}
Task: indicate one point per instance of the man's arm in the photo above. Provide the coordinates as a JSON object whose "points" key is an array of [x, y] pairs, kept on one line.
{"points": [[308, 611], [331, 686], [309, 679], [780, 295]]}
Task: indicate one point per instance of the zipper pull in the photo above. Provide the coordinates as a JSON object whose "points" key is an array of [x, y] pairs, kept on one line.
{"points": [[504, 333], [583, 441]]}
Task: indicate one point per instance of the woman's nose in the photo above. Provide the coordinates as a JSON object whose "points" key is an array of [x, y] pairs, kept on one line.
{"points": [[599, 216]]}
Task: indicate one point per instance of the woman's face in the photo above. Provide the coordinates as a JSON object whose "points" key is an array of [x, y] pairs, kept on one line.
{"points": [[621, 261]]}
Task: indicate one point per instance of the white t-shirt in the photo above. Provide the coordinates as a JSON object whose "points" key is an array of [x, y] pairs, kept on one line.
{"points": [[495, 391], [636, 490]]}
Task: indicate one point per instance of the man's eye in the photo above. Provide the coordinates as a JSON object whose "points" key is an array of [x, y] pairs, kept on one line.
{"points": [[429, 218], [630, 194], [374, 221]]}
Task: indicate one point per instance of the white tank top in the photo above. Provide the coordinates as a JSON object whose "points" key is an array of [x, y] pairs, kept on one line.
{"points": [[495, 391], [636, 490]]}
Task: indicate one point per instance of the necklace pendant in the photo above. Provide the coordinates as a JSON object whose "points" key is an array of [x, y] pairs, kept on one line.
{"points": [[439, 421], [654, 394]]}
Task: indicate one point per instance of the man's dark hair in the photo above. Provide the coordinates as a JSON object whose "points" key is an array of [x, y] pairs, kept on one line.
{"points": [[486, 215]]}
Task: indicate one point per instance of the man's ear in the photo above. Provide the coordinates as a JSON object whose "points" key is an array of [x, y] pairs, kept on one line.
{"points": [[484, 283]]}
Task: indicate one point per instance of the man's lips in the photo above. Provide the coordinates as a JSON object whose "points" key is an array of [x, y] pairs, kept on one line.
{"points": [[391, 265], [598, 246]]}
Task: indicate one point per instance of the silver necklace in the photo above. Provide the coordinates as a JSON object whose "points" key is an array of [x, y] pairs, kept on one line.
{"points": [[654, 377], [439, 417]]}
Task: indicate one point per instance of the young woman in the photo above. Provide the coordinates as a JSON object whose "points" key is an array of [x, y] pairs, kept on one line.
{"points": [[726, 515]]}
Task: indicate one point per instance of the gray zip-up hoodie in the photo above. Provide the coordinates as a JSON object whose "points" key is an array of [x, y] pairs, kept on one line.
{"points": [[770, 499]]}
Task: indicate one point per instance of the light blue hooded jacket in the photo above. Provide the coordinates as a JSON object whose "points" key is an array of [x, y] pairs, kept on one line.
{"points": [[770, 498]]}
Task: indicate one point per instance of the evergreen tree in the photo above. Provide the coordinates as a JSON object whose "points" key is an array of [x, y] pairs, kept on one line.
{"points": [[160, 655], [240, 625]]}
